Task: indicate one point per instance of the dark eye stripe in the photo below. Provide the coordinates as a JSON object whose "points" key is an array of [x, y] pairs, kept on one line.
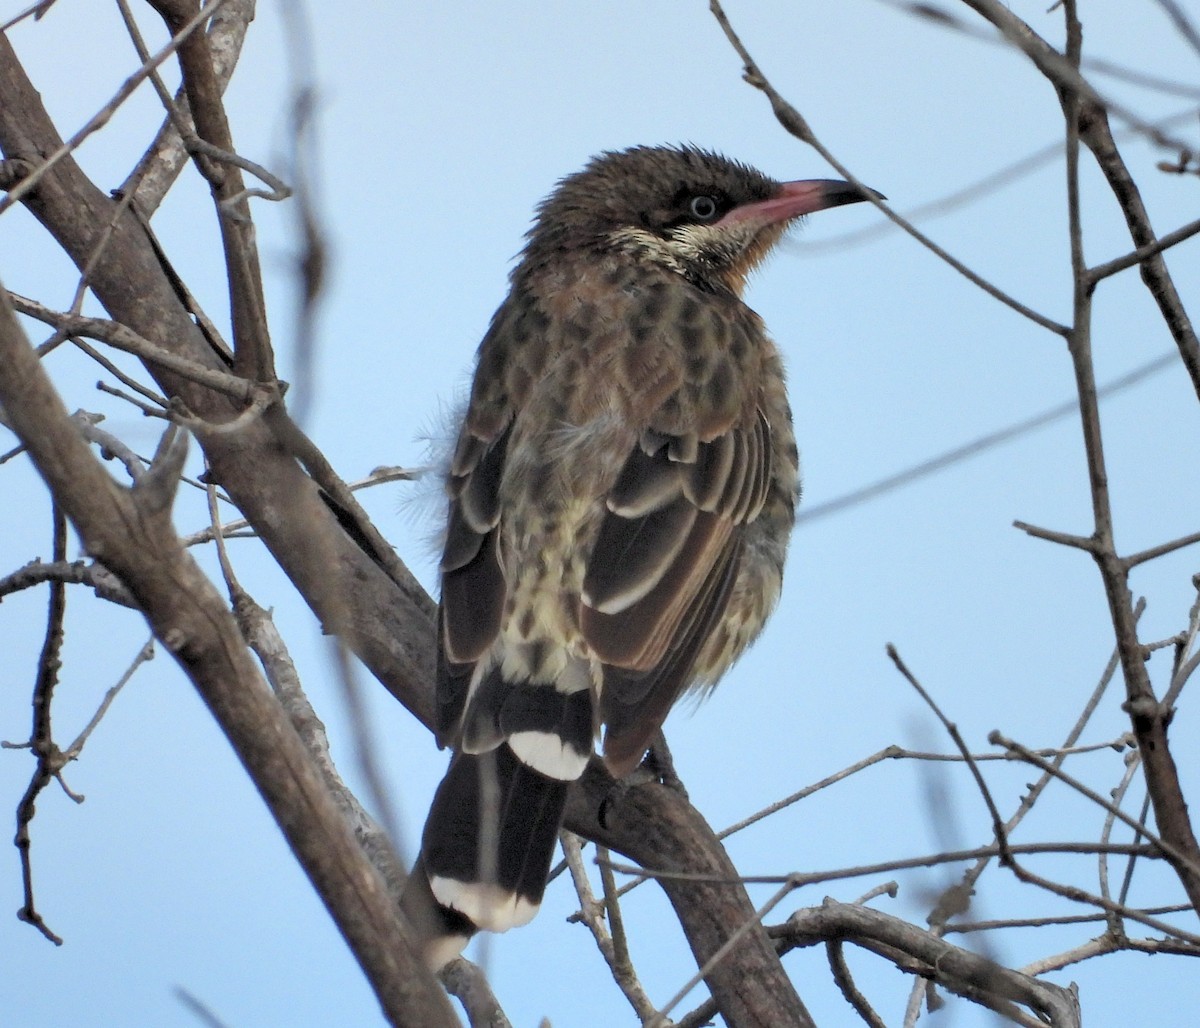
{"points": [[678, 212]]}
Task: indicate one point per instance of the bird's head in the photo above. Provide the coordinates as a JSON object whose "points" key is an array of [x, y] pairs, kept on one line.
{"points": [[697, 213]]}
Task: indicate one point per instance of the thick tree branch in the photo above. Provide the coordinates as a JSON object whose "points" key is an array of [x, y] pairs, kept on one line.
{"points": [[389, 627], [388, 621], [166, 157], [659, 828], [130, 532], [253, 356], [27, 185]]}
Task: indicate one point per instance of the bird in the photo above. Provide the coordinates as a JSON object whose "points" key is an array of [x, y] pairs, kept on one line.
{"points": [[620, 497]]}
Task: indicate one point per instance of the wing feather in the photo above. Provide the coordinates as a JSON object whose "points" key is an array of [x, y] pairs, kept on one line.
{"points": [[705, 484], [661, 572], [635, 704], [639, 634], [645, 485], [473, 585]]}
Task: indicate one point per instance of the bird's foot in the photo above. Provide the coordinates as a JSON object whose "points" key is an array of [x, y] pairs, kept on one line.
{"points": [[659, 763]]}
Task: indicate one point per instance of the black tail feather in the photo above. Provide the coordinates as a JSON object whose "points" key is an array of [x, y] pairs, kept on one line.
{"points": [[490, 838]]}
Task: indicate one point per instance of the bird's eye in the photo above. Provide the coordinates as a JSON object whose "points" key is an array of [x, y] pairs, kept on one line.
{"points": [[703, 208]]}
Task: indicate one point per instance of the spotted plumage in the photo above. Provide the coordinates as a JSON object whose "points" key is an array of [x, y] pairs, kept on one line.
{"points": [[620, 499]]}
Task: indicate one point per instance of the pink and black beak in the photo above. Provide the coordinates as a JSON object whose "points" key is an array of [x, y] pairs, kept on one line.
{"points": [[794, 199]]}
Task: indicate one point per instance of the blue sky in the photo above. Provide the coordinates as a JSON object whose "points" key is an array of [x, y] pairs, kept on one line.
{"points": [[440, 128]]}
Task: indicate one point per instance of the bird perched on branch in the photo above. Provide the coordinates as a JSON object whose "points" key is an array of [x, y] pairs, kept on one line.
{"points": [[620, 500]]}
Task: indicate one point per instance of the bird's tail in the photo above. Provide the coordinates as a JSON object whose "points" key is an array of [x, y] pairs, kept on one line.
{"points": [[491, 831], [485, 852]]}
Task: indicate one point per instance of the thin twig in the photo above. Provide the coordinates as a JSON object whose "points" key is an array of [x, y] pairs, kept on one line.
{"points": [[198, 1008], [778, 897], [1107, 944], [1161, 550], [155, 398], [101, 117], [36, 10], [1185, 665], [968, 927], [147, 409], [592, 915], [989, 441], [806, 878], [966, 195], [845, 982], [956, 736], [124, 338], [1021, 753], [794, 123], [887, 753], [1132, 763], [146, 653], [1182, 25], [1143, 253], [1131, 863], [1078, 542]]}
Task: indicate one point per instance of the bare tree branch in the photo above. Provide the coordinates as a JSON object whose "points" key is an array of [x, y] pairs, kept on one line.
{"points": [[592, 913], [50, 760], [101, 117], [167, 155], [468, 984], [956, 969], [130, 532], [1091, 120]]}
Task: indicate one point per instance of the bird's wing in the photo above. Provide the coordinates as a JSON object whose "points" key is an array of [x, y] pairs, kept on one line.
{"points": [[473, 588], [662, 570], [473, 585]]}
